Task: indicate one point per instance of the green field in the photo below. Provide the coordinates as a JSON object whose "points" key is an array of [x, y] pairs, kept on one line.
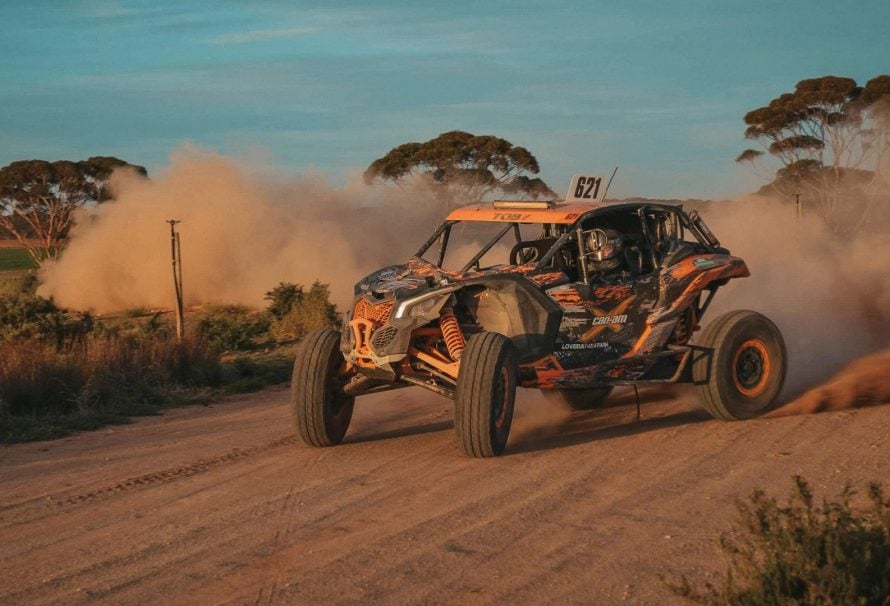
{"points": [[15, 259]]}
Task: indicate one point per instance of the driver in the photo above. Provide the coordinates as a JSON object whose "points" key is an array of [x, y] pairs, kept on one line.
{"points": [[605, 252]]}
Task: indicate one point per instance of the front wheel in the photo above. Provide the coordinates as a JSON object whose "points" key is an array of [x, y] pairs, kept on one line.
{"points": [[741, 371], [322, 411], [485, 395]]}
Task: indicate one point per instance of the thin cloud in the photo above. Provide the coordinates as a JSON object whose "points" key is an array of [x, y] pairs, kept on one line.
{"points": [[262, 34], [110, 9]]}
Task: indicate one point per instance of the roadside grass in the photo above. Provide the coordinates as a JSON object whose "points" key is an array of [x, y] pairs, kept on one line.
{"points": [[46, 394], [248, 372], [62, 371]]}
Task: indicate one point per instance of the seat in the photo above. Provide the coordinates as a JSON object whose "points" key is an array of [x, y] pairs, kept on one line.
{"points": [[675, 251], [529, 251]]}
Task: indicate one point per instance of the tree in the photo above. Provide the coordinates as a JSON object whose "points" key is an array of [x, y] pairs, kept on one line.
{"points": [[464, 167], [38, 198], [830, 138]]}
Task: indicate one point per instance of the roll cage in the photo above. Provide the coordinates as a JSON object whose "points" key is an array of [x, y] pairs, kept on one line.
{"points": [[656, 232]]}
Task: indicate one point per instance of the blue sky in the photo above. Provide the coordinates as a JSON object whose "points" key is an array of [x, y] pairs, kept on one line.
{"points": [[658, 87]]}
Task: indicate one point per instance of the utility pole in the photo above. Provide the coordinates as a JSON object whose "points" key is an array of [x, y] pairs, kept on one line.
{"points": [[799, 208], [176, 254]]}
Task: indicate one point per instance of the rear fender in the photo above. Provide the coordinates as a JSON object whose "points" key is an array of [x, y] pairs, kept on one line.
{"points": [[679, 287], [681, 283]]}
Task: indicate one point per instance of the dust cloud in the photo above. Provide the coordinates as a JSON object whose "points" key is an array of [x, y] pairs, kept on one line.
{"points": [[246, 229], [829, 296], [243, 231], [864, 382]]}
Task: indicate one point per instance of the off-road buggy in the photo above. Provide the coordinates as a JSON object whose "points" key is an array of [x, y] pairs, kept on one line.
{"points": [[544, 317]]}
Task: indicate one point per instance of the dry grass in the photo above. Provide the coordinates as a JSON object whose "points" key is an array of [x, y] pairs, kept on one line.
{"points": [[110, 377]]}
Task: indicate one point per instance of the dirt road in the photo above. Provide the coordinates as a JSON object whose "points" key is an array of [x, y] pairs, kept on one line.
{"points": [[221, 504]]}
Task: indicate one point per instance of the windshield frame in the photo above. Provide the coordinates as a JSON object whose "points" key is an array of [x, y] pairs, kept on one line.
{"points": [[443, 232]]}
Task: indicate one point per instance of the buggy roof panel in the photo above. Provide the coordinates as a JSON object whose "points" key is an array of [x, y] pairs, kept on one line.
{"points": [[561, 212], [556, 213]]}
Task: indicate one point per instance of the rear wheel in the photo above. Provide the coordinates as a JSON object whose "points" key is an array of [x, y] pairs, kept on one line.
{"points": [[322, 411], [485, 395], [579, 399], [742, 373]]}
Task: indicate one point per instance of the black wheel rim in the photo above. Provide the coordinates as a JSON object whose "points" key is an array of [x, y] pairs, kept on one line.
{"points": [[751, 368]]}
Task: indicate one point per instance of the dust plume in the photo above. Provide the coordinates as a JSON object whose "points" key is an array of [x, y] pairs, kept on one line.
{"points": [[863, 382], [537, 416], [242, 232], [829, 296]]}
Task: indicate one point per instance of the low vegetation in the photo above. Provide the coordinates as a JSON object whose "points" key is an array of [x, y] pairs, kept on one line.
{"points": [[294, 313], [804, 552], [63, 371], [233, 328]]}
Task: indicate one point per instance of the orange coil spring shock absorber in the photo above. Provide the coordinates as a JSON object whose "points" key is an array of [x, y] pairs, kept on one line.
{"points": [[454, 338]]}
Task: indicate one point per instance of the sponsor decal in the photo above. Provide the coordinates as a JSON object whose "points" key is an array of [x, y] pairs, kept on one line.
{"points": [[612, 292], [614, 319], [596, 345], [704, 263], [510, 217], [619, 319]]}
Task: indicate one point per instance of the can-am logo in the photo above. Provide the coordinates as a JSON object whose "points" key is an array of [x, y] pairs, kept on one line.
{"points": [[606, 320]]}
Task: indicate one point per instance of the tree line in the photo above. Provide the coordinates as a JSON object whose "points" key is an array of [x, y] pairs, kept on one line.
{"points": [[826, 141]]}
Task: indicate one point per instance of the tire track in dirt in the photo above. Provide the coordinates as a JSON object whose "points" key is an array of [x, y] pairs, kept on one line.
{"points": [[588, 511], [442, 523], [175, 473], [164, 476]]}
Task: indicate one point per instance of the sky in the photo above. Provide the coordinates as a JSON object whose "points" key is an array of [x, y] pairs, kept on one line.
{"points": [[657, 88]]}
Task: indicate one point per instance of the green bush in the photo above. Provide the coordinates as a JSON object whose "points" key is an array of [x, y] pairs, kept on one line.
{"points": [[25, 316], [233, 328], [803, 553], [305, 312], [283, 298]]}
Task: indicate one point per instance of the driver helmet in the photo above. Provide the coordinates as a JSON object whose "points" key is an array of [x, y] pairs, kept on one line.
{"points": [[604, 246]]}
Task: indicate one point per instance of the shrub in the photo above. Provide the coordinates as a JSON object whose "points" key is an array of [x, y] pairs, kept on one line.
{"points": [[27, 316], [136, 312], [24, 316], [15, 283], [311, 311], [254, 371], [283, 298], [233, 328], [804, 553]]}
